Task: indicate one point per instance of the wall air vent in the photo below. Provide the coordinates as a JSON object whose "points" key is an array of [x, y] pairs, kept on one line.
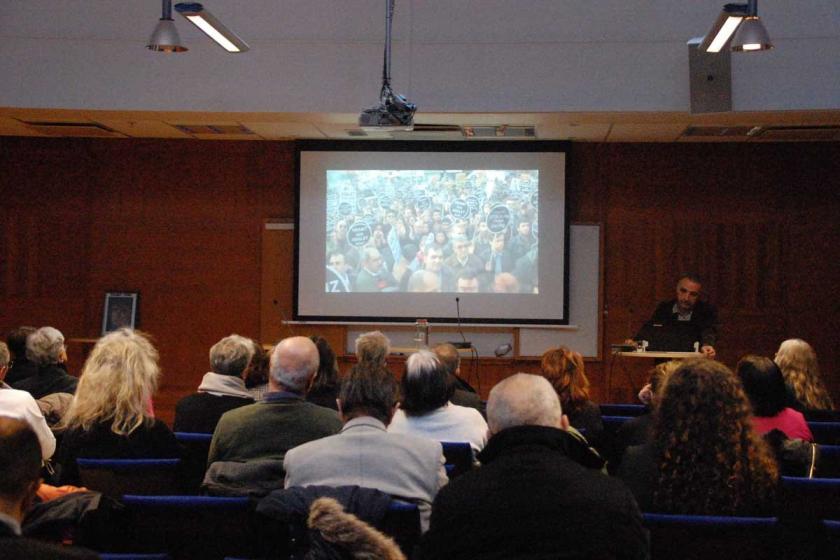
{"points": [[214, 129], [798, 133], [500, 131], [73, 129], [717, 131]]}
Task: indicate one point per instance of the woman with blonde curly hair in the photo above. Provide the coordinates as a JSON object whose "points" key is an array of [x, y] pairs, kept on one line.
{"points": [[705, 458], [564, 369], [111, 414], [798, 363]]}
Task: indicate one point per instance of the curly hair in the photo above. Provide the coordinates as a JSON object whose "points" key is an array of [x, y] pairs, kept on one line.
{"points": [[117, 383], [798, 363], [564, 369], [710, 459]]}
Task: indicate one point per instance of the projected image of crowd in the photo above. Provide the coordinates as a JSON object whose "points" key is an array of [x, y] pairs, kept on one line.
{"points": [[432, 231]]}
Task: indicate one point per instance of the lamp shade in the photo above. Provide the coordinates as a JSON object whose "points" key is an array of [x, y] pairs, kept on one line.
{"points": [[751, 36], [165, 38]]}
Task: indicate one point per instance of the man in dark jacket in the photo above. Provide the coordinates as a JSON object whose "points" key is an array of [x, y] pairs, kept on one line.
{"points": [[45, 347], [221, 389], [20, 476], [678, 323], [537, 494]]}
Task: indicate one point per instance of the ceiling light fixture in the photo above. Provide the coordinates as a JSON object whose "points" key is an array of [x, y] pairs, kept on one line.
{"points": [[165, 37], [742, 21], [394, 111], [214, 29]]}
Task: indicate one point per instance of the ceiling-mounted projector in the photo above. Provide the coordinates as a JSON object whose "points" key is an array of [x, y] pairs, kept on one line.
{"points": [[393, 111]]}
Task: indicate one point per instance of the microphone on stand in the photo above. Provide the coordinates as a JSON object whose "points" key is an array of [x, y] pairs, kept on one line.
{"points": [[465, 343]]}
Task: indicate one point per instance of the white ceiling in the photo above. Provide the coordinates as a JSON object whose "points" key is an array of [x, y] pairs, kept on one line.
{"points": [[608, 70]]}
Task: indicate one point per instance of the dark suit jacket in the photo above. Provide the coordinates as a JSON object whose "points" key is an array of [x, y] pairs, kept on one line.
{"points": [[702, 327]]}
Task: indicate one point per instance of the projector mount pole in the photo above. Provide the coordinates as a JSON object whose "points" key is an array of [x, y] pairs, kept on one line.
{"points": [[386, 63]]}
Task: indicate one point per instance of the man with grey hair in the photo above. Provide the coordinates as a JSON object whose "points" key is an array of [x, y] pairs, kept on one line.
{"points": [[221, 389], [262, 432], [372, 347], [561, 505], [45, 347]]}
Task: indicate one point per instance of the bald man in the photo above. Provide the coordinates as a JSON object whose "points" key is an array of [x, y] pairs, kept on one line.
{"points": [[265, 430], [561, 505]]}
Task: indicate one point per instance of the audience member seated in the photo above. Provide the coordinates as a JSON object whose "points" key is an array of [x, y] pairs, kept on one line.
{"points": [[364, 453], [21, 367], [705, 459], [564, 369], [45, 348], [20, 463], [639, 430], [372, 348], [21, 405], [765, 388], [464, 394], [250, 442], [324, 390], [221, 389], [256, 375], [111, 414], [425, 409], [799, 365], [538, 493]]}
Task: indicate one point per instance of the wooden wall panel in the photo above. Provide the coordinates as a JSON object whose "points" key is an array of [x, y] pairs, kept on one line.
{"points": [[182, 222]]}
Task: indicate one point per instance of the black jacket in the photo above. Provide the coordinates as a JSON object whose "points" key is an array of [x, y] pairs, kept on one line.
{"points": [[536, 496], [49, 379], [702, 327], [200, 412]]}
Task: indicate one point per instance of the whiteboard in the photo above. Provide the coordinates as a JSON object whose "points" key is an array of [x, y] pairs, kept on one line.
{"points": [[582, 334]]}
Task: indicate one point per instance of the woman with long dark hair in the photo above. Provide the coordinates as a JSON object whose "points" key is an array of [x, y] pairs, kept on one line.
{"points": [[706, 458]]}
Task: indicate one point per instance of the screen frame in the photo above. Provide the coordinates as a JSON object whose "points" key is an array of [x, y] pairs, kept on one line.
{"points": [[484, 146]]}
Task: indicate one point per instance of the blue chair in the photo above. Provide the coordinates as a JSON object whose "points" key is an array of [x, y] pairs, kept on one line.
{"points": [[622, 409], [115, 477], [809, 498], [192, 526], [402, 523], [613, 423], [828, 463], [827, 433], [692, 537], [458, 455], [131, 556], [194, 460]]}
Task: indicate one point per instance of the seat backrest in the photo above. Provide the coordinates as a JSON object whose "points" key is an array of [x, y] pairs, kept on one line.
{"points": [[809, 498], [192, 526], [827, 433], [194, 459], [707, 536], [622, 409], [115, 477], [402, 523], [828, 463], [459, 455]]}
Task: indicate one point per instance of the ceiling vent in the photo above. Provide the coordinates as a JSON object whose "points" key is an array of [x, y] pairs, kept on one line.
{"points": [[215, 129], [73, 129], [798, 133], [501, 131], [717, 131]]}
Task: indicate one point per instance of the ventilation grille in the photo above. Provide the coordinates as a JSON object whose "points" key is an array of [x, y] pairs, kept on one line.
{"points": [[500, 131], [73, 129], [802, 133], [717, 131], [214, 129]]}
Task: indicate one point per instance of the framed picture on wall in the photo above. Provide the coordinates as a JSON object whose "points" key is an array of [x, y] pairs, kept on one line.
{"points": [[120, 311]]}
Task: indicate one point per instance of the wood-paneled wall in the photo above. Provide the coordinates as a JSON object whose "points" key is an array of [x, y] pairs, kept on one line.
{"points": [[181, 222]]}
